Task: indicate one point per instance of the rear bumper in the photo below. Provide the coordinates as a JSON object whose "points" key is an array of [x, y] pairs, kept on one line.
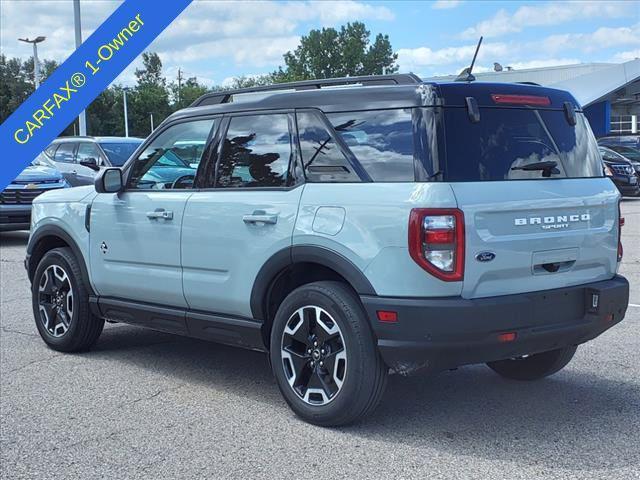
{"points": [[442, 333], [15, 217]]}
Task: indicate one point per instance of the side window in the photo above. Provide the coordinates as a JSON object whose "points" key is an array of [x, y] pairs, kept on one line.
{"points": [[256, 152], [64, 153], [171, 159], [381, 140], [51, 150], [88, 150], [322, 159]]}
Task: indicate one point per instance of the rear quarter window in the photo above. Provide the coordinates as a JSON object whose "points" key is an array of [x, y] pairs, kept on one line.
{"points": [[381, 141]]}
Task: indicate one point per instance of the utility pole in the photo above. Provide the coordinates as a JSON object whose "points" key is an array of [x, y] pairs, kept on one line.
{"points": [[36, 62], [179, 84], [82, 119], [151, 118], [126, 119]]}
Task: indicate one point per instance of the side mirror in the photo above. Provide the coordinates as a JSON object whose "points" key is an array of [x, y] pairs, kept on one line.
{"points": [[109, 181], [90, 162]]}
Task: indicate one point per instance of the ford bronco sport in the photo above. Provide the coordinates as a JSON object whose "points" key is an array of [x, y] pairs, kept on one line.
{"points": [[349, 227]]}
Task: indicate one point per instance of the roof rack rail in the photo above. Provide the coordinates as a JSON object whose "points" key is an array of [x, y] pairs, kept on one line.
{"points": [[215, 98]]}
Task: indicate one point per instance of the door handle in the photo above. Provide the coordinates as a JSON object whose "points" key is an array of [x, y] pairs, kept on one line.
{"points": [[260, 217], [160, 213]]}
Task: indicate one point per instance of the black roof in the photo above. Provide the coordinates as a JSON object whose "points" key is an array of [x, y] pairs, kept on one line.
{"points": [[363, 93]]}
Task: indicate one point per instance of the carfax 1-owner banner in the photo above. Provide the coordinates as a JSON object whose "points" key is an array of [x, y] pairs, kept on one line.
{"points": [[80, 79]]}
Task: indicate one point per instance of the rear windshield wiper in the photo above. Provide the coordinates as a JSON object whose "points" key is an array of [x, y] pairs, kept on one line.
{"points": [[548, 168]]}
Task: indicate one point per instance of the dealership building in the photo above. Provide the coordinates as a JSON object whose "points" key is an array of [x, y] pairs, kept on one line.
{"points": [[608, 92]]}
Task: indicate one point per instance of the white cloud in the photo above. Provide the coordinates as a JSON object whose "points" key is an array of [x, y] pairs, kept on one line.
{"points": [[445, 4], [546, 14], [414, 59], [604, 37], [626, 56]]}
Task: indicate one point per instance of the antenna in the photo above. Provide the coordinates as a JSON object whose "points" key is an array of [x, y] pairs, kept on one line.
{"points": [[466, 75]]}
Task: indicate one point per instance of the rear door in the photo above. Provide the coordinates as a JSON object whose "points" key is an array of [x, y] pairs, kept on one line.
{"points": [[530, 225], [245, 213]]}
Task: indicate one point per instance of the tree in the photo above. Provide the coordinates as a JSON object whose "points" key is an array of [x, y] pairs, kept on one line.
{"points": [[330, 53], [150, 97], [188, 92]]}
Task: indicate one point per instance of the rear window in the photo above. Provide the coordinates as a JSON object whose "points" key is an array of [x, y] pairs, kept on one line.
{"points": [[509, 143]]}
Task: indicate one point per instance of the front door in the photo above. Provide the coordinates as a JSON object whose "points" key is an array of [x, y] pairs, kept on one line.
{"points": [[135, 234], [230, 231]]}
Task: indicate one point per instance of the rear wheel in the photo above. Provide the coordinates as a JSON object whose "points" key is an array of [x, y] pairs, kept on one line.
{"points": [[534, 367], [60, 300], [324, 356]]}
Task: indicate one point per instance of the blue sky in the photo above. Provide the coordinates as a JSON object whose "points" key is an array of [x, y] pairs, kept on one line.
{"points": [[215, 40]]}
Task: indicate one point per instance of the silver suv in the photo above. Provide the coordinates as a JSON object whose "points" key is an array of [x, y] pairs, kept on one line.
{"points": [[350, 228]]}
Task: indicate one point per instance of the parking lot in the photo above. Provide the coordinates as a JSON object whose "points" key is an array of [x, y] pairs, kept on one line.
{"points": [[144, 404]]}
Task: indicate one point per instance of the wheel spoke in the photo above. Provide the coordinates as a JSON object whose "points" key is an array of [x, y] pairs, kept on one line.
{"points": [[46, 283], [324, 327]]}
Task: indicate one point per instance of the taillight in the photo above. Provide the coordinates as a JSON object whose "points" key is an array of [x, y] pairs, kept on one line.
{"points": [[620, 225], [436, 241], [521, 99]]}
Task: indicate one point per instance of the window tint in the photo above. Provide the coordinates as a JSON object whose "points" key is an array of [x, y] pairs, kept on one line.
{"points": [[64, 153], [256, 152], [381, 140], [172, 158], [322, 159], [88, 150], [507, 139]]}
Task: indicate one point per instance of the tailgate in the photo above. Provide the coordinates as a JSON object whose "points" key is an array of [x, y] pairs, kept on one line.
{"points": [[558, 233]]}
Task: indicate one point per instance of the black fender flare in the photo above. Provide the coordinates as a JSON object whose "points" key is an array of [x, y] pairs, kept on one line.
{"points": [[55, 231], [305, 254]]}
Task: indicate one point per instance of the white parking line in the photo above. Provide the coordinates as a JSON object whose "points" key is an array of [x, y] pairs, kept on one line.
{"points": [[634, 305]]}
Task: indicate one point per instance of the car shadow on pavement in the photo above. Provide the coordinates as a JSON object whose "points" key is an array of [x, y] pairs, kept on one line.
{"points": [[579, 416], [14, 239]]}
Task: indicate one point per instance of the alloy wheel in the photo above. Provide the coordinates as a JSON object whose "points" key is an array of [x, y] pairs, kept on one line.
{"points": [[55, 300], [314, 355]]}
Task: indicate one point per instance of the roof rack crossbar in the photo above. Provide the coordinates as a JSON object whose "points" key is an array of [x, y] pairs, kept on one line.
{"points": [[215, 98]]}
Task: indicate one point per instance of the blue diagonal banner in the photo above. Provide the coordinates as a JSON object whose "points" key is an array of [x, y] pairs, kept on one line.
{"points": [[80, 79]]}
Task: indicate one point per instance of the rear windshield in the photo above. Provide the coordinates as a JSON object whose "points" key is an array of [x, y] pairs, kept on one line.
{"points": [[518, 144], [119, 153]]}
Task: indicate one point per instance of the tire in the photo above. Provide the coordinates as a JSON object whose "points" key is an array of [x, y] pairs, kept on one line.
{"points": [[60, 300], [534, 367], [344, 373]]}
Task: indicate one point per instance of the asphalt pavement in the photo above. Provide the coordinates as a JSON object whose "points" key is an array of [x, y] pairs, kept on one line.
{"points": [[144, 404]]}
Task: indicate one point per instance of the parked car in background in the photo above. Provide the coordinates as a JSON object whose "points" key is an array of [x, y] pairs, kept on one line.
{"points": [[630, 153], [620, 170], [15, 200], [80, 158], [627, 140]]}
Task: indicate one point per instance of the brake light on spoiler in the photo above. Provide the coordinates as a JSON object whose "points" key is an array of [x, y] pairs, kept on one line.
{"points": [[507, 99], [436, 241]]}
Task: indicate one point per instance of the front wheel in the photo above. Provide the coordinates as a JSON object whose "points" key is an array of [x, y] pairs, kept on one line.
{"points": [[534, 367], [60, 299], [324, 356]]}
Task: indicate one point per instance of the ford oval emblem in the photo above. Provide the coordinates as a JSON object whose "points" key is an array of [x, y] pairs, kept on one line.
{"points": [[485, 256]]}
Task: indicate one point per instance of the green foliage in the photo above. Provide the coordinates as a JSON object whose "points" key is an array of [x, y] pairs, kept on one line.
{"points": [[330, 53]]}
